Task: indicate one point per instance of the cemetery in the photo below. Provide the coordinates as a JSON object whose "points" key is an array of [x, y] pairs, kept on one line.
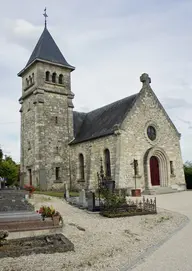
{"points": [[35, 245], [81, 231], [82, 235], [18, 218], [111, 202]]}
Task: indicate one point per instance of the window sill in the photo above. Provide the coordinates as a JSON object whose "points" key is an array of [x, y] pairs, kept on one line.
{"points": [[57, 181], [26, 88], [52, 83], [81, 181]]}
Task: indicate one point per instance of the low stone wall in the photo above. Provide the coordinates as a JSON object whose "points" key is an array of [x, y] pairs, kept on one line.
{"points": [[31, 233], [14, 226], [36, 245]]}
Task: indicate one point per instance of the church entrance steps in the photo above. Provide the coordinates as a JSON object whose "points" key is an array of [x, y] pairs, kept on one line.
{"points": [[159, 190]]}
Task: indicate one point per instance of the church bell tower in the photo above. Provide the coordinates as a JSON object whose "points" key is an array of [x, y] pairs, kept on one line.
{"points": [[46, 115]]}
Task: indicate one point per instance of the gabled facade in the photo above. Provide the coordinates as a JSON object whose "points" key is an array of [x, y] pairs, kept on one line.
{"points": [[61, 145]]}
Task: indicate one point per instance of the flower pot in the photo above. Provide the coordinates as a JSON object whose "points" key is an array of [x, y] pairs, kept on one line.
{"points": [[56, 220], [136, 192], [30, 194]]}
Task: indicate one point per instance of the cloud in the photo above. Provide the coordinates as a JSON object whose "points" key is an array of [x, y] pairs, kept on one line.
{"points": [[10, 127], [171, 103], [111, 43]]}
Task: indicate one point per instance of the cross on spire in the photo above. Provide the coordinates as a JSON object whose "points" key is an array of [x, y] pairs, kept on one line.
{"points": [[45, 15], [145, 79]]}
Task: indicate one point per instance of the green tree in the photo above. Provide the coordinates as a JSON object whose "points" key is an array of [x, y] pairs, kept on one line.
{"points": [[9, 169], [1, 155], [188, 174]]}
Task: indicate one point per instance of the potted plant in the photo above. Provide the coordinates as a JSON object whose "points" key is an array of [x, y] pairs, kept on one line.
{"points": [[136, 192], [49, 211], [29, 188], [56, 218]]}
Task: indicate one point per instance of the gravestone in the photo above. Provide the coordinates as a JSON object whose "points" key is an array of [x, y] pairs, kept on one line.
{"points": [[93, 205], [82, 198], [35, 245], [91, 201], [66, 191], [14, 201], [110, 185], [15, 211]]}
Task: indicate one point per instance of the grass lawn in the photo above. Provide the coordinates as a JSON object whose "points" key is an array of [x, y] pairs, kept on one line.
{"points": [[57, 194]]}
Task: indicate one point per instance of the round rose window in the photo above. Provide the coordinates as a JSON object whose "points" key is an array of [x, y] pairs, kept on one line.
{"points": [[151, 132]]}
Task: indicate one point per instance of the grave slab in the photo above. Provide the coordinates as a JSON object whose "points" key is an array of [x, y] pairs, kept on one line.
{"points": [[35, 245]]}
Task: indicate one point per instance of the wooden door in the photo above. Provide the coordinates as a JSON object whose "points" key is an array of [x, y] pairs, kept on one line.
{"points": [[154, 169]]}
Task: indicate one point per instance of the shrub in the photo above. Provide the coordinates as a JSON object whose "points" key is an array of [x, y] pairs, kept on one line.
{"points": [[112, 201]]}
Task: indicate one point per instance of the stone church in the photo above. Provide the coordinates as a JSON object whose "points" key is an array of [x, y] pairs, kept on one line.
{"points": [[60, 145]]}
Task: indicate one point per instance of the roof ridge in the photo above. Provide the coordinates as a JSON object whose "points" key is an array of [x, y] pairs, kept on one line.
{"points": [[110, 104], [100, 122]]}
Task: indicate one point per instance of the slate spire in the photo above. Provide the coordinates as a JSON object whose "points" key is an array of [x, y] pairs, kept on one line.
{"points": [[47, 50]]}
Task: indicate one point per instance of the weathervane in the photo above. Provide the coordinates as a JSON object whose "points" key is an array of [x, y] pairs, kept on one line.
{"points": [[45, 15]]}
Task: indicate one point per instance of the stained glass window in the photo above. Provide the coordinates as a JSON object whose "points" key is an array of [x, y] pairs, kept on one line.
{"points": [[151, 132]]}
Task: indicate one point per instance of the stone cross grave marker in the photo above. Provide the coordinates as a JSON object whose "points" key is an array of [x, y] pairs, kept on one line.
{"points": [[66, 191], [82, 198], [91, 201]]}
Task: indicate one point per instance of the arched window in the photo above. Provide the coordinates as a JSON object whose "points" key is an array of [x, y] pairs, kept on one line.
{"points": [[81, 166], [30, 80], [47, 76], [27, 82], [54, 77], [61, 79], [107, 163]]}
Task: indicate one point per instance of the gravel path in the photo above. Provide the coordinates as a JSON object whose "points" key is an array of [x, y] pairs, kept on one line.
{"points": [[100, 243]]}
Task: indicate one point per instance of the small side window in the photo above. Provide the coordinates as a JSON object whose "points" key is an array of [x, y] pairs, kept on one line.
{"points": [[54, 77], [47, 76], [61, 79]]}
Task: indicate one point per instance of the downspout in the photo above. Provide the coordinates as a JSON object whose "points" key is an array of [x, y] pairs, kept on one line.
{"points": [[118, 134], [69, 153]]}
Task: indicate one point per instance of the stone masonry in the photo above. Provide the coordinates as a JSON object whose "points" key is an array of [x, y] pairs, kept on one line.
{"points": [[45, 133], [54, 137]]}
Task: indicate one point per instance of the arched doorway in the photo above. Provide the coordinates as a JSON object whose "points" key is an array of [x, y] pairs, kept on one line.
{"points": [[154, 170]]}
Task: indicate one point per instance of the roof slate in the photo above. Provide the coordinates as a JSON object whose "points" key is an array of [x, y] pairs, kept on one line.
{"points": [[100, 122], [46, 49]]}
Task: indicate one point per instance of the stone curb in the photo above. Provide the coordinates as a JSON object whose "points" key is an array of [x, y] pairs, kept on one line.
{"points": [[141, 258]]}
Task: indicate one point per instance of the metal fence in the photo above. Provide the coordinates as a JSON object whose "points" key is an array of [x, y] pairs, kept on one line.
{"points": [[131, 208]]}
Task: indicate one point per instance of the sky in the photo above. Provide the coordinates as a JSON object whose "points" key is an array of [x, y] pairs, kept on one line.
{"points": [[111, 43]]}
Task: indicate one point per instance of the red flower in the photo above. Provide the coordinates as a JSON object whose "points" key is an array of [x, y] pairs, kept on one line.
{"points": [[29, 188]]}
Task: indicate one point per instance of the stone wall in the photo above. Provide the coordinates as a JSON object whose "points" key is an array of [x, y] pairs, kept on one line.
{"points": [[135, 142], [92, 151], [47, 128], [46, 121]]}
